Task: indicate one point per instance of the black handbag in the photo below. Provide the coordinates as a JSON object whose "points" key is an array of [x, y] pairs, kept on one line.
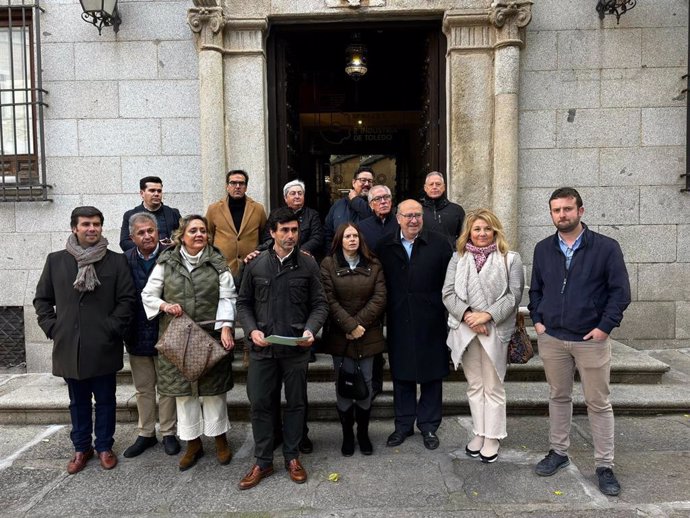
{"points": [[351, 385]]}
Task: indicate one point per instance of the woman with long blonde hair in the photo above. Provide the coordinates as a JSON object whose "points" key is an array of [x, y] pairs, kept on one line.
{"points": [[482, 292]]}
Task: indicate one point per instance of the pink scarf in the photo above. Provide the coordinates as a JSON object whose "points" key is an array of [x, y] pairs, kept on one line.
{"points": [[480, 254]]}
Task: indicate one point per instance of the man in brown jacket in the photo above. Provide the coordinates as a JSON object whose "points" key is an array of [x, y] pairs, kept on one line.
{"points": [[235, 222]]}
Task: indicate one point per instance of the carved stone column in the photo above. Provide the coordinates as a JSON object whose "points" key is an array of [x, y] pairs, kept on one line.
{"points": [[206, 21], [509, 18], [246, 110], [470, 106], [483, 66]]}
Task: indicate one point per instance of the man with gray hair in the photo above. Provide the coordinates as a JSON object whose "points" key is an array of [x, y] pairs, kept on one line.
{"points": [[414, 263], [382, 222], [140, 341], [310, 228], [440, 214]]}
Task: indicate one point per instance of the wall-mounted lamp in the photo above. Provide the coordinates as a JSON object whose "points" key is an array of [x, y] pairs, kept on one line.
{"points": [[101, 13], [617, 7], [356, 58]]}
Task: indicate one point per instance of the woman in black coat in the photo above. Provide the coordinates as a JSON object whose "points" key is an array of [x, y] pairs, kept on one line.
{"points": [[356, 291]]}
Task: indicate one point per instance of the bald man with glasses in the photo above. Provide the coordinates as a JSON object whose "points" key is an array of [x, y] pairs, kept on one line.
{"points": [[414, 262]]}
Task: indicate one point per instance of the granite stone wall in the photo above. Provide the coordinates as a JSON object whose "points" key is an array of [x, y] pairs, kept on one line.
{"points": [[601, 109]]}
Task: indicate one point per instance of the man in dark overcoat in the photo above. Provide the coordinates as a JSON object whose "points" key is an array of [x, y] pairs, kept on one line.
{"points": [[414, 262], [84, 302]]}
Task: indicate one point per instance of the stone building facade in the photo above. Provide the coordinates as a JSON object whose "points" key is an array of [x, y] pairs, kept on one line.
{"points": [[536, 95]]}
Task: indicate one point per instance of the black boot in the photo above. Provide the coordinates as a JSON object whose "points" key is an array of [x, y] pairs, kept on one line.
{"points": [[347, 420], [362, 416]]}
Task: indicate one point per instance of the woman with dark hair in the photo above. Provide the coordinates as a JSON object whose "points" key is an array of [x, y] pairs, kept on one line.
{"points": [[193, 277], [482, 293], [356, 291]]}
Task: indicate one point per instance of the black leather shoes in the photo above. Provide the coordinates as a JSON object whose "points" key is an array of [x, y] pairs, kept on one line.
{"points": [[398, 437], [140, 446], [430, 439], [608, 484], [305, 445], [171, 445]]}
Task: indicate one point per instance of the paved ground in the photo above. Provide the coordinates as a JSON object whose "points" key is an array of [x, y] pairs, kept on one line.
{"points": [[652, 459]]}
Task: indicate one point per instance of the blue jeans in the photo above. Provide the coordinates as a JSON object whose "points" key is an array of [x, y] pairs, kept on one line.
{"points": [[102, 388]]}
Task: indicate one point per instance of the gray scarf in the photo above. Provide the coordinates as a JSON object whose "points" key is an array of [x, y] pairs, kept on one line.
{"points": [[86, 276]]}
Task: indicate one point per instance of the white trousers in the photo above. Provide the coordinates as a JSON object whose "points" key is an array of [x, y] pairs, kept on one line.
{"points": [[207, 415], [486, 393]]}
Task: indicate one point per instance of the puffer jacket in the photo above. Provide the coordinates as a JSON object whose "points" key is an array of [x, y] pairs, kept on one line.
{"points": [[197, 292], [355, 297]]}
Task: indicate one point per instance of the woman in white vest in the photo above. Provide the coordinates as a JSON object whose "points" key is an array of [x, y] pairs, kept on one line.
{"points": [[482, 293]]}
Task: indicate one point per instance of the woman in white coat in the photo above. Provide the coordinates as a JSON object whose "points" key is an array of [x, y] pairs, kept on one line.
{"points": [[482, 293]]}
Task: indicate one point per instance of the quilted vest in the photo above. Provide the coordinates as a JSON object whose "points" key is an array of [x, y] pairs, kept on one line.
{"points": [[197, 292]]}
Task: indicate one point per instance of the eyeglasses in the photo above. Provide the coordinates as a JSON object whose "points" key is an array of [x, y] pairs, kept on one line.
{"points": [[365, 180], [233, 183], [411, 216], [383, 197]]}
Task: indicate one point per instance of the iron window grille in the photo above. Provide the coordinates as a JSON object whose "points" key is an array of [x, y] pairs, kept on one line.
{"points": [[22, 146]]}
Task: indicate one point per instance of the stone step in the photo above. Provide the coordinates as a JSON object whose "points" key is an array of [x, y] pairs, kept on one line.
{"points": [[42, 399], [628, 365]]}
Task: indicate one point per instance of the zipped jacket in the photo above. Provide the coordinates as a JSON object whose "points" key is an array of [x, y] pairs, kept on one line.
{"points": [[281, 299], [593, 293]]}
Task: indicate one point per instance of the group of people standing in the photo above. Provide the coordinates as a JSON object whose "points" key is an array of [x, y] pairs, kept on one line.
{"points": [[441, 280]]}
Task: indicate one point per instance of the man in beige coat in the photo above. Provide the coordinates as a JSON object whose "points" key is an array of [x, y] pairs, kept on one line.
{"points": [[235, 223]]}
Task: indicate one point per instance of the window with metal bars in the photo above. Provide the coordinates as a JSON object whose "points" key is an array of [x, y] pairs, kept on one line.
{"points": [[22, 156]]}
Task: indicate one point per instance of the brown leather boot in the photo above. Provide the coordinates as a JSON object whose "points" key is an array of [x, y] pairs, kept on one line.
{"points": [[195, 451], [223, 451]]}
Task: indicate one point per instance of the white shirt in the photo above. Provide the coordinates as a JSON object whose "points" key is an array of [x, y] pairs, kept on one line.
{"points": [[153, 290]]}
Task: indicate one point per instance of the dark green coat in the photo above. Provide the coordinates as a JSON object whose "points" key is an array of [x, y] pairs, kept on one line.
{"points": [[197, 292]]}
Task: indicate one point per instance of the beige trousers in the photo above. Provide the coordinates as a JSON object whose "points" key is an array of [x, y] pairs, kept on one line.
{"points": [[593, 362], [486, 393], [144, 377]]}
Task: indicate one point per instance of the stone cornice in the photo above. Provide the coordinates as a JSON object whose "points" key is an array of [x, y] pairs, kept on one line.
{"points": [[207, 21]]}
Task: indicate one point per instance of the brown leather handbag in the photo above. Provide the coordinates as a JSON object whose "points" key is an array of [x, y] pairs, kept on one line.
{"points": [[191, 349]]}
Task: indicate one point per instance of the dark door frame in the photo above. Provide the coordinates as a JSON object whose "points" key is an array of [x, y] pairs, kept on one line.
{"points": [[285, 148]]}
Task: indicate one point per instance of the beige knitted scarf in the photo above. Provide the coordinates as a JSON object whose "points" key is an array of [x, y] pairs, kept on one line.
{"points": [[86, 275]]}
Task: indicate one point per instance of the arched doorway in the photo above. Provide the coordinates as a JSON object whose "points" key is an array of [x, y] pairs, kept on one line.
{"points": [[323, 124]]}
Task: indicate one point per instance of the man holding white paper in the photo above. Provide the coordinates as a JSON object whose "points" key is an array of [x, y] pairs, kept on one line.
{"points": [[280, 294]]}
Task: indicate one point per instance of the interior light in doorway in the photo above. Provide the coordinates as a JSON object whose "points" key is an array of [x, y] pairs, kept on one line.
{"points": [[356, 58], [617, 7], [101, 13]]}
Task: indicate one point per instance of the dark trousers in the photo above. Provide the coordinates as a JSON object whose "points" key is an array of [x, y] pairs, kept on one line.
{"points": [[262, 377], [278, 414], [427, 411], [102, 389]]}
